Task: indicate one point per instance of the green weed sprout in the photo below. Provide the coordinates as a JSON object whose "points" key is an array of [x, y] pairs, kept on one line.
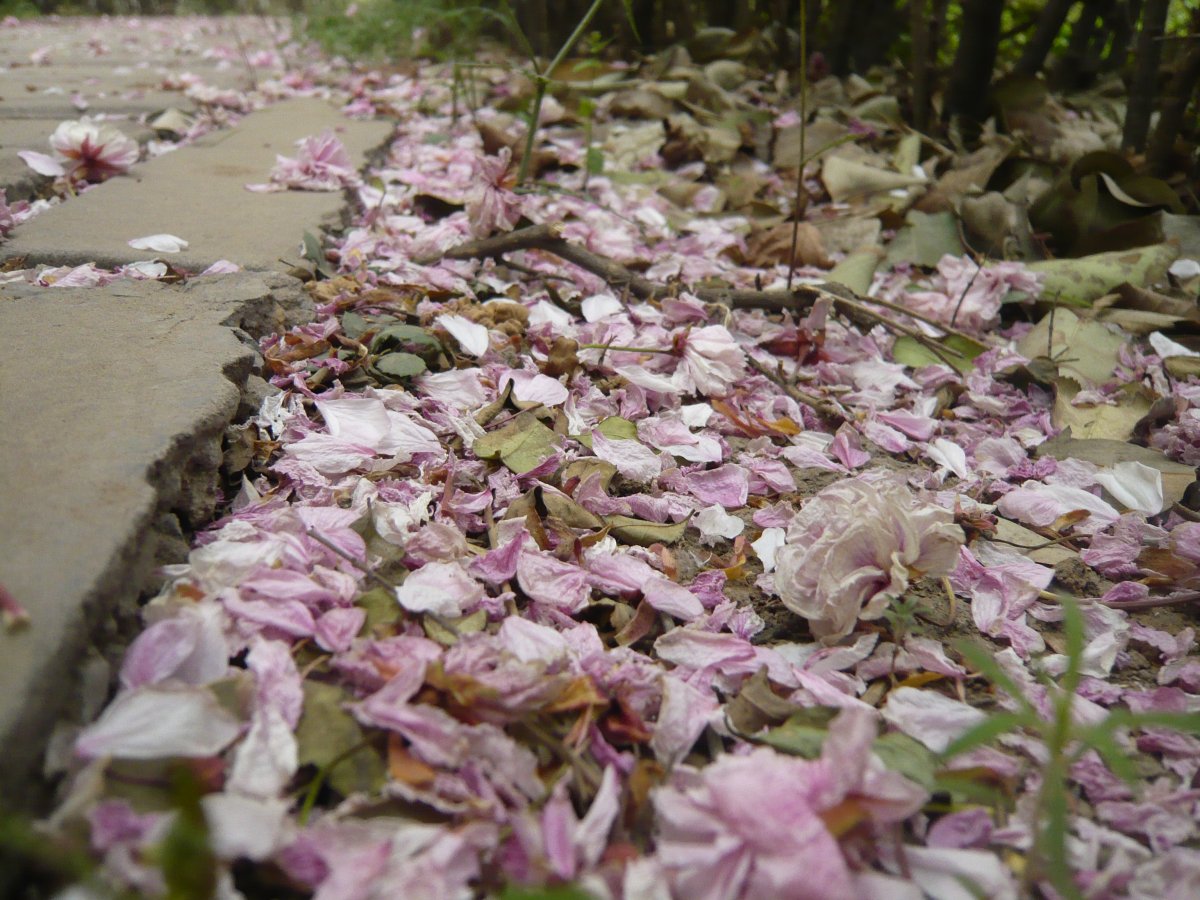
{"points": [[1066, 743]]}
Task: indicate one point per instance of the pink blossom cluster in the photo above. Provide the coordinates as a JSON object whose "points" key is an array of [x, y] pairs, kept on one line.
{"points": [[855, 546]]}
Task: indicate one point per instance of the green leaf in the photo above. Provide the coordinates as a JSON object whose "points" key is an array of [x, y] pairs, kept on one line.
{"points": [[564, 892], [353, 325], [614, 428], [803, 734], [960, 352], [437, 631], [327, 735], [909, 757], [629, 17], [985, 732], [1049, 857], [857, 270], [643, 533], [925, 239], [189, 866], [404, 337], [393, 367], [1077, 282], [986, 664], [1101, 739], [595, 160], [1073, 630], [315, 253], [1182, 367], [381, 607], [1188, 723], [522, 444], [966, 786]]}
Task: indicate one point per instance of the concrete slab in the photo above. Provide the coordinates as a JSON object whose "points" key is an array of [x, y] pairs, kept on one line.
{"points": [[184, 43], [19, 103], [49, 90], [16, 135], [198, 193], [115, 401]]}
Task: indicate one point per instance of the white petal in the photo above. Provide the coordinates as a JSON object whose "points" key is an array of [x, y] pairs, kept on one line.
{"points": [[1135, 486], [633, 459], [42, 163], [159, 243], [714, 522], [1185, 268], [768, 545], [244, 826], [531, 387], [1165, 347], [471, 336], [159, 721], [949, 456], [544, 312], [929, 717], [695, 415], [266, 759], [600, 306], [147, 269]]}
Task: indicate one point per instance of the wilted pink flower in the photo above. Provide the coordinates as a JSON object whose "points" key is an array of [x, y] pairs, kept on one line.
{"points": [[10, 215], [975, 293], [712, 361], [86, 275], [493, 206], [854, 547], [321, 164], [752, 826], [93, 151], [12, 613]]}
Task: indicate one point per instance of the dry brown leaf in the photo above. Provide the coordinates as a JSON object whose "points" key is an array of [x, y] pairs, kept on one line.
{"points": [[845, 234], [820, 133], [967, 177], [774, 246], [640, 103], [848, 180]]}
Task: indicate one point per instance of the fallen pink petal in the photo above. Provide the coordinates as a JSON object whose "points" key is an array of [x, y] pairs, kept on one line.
{"points": [[713, 454]]}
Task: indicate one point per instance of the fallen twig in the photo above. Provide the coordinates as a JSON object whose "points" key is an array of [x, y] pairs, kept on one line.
{"points": [[828, 408], [548, 238], [1179, 598]]}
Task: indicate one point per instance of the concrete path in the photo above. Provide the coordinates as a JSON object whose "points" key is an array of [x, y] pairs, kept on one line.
{"points": [[57, 69], [199, 193], [114, 405], [114, 400]]}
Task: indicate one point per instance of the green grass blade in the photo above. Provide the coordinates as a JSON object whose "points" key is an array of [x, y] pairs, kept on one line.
{"points": [[987, 731]]}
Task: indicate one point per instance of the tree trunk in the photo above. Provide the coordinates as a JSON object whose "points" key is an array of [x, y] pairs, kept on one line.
{"points": [[719, 14], [884, 20], [1103, 33], [538, 28], [1175, 102], [840, 38], [1123, 20], [1145, 74], [816, 14], [922, 63], [1050, 23], [967, 96], [1071, 70], [745, 16]]}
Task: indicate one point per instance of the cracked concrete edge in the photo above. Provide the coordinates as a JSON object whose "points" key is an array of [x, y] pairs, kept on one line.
{"points": [[72, 686]]}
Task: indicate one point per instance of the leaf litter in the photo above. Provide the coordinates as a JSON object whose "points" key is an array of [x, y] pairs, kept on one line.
{"points": [[574, 549]]}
